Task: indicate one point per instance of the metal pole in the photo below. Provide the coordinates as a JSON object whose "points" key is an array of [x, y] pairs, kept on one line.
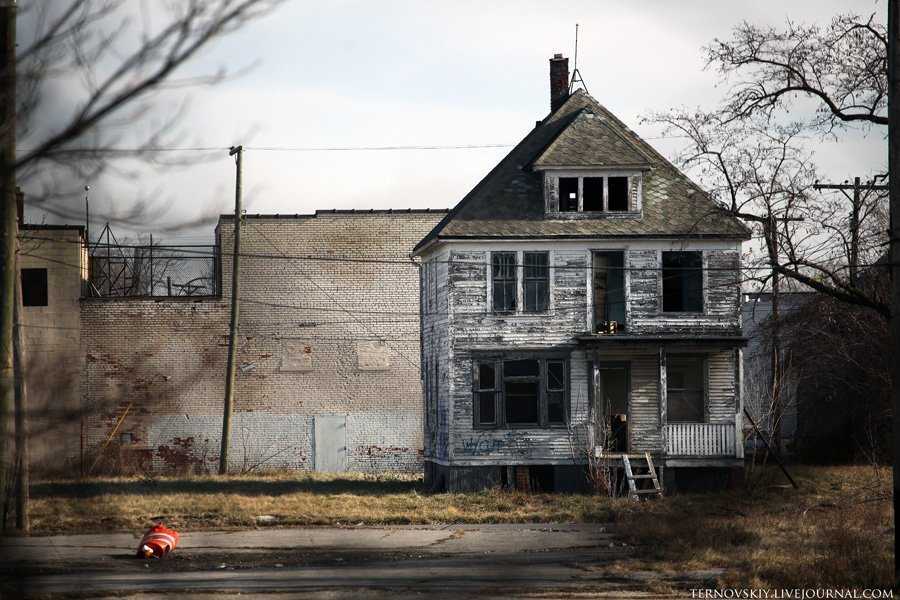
{"points": [[233, 330], [151, 264], [8, 227]]}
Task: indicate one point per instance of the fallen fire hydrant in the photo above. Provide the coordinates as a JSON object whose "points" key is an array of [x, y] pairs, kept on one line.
{"points": [[157, 542]]}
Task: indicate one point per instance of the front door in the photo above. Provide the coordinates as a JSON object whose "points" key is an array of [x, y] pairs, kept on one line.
{"points": [[611, 404]]}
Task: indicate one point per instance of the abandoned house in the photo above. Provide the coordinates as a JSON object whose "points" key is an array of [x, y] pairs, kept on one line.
{"points": [[581, 303], [127, 344]]}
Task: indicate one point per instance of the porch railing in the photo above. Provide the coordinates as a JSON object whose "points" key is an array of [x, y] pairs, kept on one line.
{"points": [[700, 439]]}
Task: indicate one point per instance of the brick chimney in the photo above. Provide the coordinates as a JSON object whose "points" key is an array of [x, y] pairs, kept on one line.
{"points": [[559, 81]]}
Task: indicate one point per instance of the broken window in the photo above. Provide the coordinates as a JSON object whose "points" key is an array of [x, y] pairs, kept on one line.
{"points": [[597, 194], [685, 389], [617, 188], [503, 280], [593, 194], [609, 291], [520, 392], [568, 194], [682, 279], [537, 281], [34, 287]]}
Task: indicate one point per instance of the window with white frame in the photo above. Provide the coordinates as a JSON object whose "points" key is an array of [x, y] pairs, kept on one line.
{"points": [[594, 192]]}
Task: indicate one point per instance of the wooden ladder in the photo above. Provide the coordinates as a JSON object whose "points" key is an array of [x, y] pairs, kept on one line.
{"points": [[635, 492]]}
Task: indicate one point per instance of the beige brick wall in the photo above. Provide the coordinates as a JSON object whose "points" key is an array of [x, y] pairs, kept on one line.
{"points": [[51, 339], [317, 338]]}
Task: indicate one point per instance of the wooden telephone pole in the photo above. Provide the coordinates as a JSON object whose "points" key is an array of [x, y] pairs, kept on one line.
{"points": [[856, 201], [233, 330], [775, 367]]}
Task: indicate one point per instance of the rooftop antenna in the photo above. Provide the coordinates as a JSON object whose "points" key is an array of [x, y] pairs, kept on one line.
{"points": [[576, 74]]}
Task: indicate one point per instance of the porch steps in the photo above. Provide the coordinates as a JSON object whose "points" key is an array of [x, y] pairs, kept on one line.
{"points": [[635, 492]]}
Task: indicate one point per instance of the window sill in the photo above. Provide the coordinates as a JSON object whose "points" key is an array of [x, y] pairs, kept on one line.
{"points": [[617, 214], [682, 314]]}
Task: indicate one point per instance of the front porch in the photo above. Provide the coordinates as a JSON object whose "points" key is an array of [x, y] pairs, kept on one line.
{"points": [[680, 424]]}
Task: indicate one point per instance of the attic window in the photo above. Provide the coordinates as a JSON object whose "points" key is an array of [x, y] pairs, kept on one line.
{"points": [[618, 194], [596, 193], [568, 194], [593, 194]]}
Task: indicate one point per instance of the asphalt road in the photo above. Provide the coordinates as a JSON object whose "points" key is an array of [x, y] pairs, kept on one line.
{"points": [[538, 560]]}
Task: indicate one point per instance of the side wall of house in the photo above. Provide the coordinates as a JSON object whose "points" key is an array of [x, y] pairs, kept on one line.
{"points": [[51, 339], [328, 342]]}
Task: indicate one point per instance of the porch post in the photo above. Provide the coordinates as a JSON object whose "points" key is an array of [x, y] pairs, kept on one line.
{"points": [[595, 401], [663, 398], [739, 402]]}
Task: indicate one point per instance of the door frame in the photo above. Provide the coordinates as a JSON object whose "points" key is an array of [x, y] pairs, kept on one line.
{"points": [[597, 390]]}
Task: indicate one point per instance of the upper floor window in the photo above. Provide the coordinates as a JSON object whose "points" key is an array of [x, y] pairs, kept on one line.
{"points": [[594, 193], [537, 281], [682, 281], [531, 276], [503, 281], [34, 287]]}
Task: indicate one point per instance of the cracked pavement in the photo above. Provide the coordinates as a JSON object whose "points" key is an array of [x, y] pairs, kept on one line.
{"points": [[457, 560]]}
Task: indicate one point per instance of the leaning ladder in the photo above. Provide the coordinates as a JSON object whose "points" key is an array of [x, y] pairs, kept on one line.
{"points": [[635, 492]]}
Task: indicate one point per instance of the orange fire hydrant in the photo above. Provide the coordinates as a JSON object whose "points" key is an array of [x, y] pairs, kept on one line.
{"points": [[157, 542]]}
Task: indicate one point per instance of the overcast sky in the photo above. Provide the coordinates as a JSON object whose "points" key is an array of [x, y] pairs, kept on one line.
{"points": [[353, 73]]}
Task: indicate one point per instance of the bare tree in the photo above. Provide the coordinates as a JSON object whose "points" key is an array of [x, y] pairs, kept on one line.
{"points": [[841, 66], [120, 55]]}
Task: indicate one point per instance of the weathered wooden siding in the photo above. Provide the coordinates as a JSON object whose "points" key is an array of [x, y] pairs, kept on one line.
{"points": [[643, 426], [721, 396], [721, 298], [465, 326]]}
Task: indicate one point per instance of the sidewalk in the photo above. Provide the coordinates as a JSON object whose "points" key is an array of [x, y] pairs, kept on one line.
{"points": [[94, 548]]}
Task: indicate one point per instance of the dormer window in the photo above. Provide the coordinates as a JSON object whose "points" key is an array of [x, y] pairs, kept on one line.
{"points": [[593, 193]]}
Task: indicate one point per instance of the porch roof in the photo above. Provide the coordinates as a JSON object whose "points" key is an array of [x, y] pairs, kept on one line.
{"points": [[599, 340]]}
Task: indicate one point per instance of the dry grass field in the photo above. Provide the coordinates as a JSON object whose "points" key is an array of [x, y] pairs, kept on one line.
{"points": [[836, 530]]}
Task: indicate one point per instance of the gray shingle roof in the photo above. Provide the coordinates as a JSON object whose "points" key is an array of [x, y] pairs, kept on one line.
{"points": [[591, 141], [509, 202]]}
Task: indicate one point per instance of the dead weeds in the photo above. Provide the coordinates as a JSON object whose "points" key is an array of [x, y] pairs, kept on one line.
{"points": [[835, 531]]}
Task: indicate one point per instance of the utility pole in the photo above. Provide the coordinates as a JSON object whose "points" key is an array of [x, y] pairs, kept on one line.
{"points": [[894, 182], [23, 470], [856, 201], [232, 333], [775, 366], [8, 227]]}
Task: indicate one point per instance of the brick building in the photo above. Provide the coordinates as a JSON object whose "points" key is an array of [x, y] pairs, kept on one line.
{"points": [[328, 351]]}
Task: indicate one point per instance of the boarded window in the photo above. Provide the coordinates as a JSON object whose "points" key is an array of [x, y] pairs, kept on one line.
{"points": [[537, 281], [568, 194], [682, 275], [593, 194], [34, 287], [503, 279], [520, 392], [618, 193], [685, 389]]}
